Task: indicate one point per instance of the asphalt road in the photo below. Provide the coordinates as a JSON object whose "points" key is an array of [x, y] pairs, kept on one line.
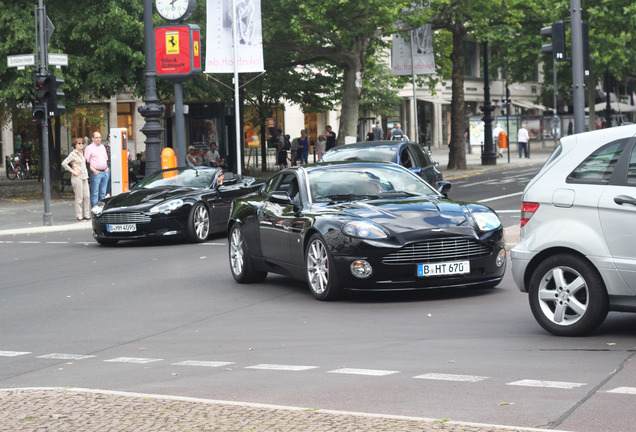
{"points": [[169, 319]]}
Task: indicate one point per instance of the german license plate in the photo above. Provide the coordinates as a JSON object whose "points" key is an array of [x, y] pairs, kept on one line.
{"points": [[121, 227], [443, 268]]}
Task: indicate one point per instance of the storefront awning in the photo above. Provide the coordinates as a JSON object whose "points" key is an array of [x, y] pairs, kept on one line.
{"points": [[528, 105]]}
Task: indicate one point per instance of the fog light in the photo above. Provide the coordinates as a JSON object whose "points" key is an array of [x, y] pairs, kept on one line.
{"points": [[501, 258], [361, 269]]}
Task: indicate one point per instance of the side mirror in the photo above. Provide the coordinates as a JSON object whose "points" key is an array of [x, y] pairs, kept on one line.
{"points": [[443, 187], [278, 197]]}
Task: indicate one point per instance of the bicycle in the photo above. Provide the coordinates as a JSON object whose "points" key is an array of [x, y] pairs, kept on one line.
{"points": [[14, 168]]}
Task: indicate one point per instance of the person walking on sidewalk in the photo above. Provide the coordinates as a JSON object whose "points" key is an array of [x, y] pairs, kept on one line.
{"points": [[76, 165], [523, 138], [97, 159]]}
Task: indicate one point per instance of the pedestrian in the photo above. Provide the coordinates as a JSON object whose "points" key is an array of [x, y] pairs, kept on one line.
{"points": [[281, 151], [321, 146], [331, 138], [378, 133], [76, 165], [293, 151], [498, 139], [213, 158], [97, 160], [397, 133], [523, 138], [192, 159], [303, 146]]}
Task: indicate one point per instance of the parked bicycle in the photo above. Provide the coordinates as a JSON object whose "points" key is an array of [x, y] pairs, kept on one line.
{"points": [[15, 168]]}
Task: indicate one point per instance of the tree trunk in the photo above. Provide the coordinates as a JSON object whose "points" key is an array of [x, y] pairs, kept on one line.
{"points": [[457, 146], [350, 101]]}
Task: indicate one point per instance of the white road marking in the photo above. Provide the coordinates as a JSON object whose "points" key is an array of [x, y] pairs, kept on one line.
{"points": [[202, 363], [623, 390], [13, 353], [452, 377], [57, 242], [500, 197], [29, 242], [547, 384], [281, 367], [371, 372], [59, 356], [138, 360], [213, 244]]}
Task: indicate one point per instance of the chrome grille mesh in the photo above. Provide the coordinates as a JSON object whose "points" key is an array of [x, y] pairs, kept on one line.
{"points": [[119, 218], [438, 250]]}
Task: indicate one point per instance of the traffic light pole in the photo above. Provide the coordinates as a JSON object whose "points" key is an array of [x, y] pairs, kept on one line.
{"points": [[578, 89], [41, 49]]}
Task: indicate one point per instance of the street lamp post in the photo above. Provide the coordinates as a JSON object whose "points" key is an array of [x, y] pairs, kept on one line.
{"points": [[152, 111], [488, 156]]}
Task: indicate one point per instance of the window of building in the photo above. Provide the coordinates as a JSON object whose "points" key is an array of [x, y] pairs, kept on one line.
{"points": [[470, 59], [88, 119]]}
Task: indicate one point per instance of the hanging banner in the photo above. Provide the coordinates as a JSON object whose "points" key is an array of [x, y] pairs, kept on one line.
{"points": [[219, 50], [422, 53]]}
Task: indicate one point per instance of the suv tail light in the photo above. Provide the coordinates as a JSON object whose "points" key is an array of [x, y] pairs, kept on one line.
{"points": [[527, 210]]}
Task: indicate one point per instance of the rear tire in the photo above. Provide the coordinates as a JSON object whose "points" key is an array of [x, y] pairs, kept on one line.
{"points": [[241, 264], [567, 296], [11, 173], [198, 223], [321, 273]]}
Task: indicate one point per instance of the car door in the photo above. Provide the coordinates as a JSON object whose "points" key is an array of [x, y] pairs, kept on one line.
{"points": [[277, 223], [617, 214]]}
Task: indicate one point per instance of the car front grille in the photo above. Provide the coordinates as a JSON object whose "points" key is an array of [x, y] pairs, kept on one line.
{"points": [[122, 218], [438, 250]]}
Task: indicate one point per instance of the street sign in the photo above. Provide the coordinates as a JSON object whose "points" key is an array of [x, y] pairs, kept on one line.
{"points": [[50, 28], [57, 59], [21, 61]]}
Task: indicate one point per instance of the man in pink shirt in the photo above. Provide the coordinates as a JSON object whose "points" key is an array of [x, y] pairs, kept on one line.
{"points": [[97, 159]]}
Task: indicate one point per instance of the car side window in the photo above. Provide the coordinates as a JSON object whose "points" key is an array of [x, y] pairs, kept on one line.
{"points": [[420, 157], [598, 167], [631, 170], [405, 158], [270, 186]]}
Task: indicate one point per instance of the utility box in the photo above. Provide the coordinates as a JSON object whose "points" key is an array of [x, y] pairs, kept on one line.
{"points": [[119, 161]]}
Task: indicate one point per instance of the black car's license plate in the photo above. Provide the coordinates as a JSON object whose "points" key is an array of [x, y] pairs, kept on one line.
{"points": [[121, 227], [443, 268]]}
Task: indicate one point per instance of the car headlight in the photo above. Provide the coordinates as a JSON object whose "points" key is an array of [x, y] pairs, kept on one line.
{"points": [[486, 221], [167, 207], [364, 229], [98, 208]]}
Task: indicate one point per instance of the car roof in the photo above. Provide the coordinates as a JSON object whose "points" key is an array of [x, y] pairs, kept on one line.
{"points": [[367, 144], [343, 164]]}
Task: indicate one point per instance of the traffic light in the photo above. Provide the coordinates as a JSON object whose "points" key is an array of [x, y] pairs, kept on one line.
{"points": [[53, 102], [557, 48], [42, 84]]}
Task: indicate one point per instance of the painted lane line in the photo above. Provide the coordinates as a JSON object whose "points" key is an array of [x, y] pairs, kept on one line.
{"points": [[59, 356], [56, 242], [6, 242], [371, 372], [202, 363], [623, 390], [212, 244], [138, 360], [547, 384], [500, 197], [452, 377], [29, 242], [13, 353], [281, 367]]}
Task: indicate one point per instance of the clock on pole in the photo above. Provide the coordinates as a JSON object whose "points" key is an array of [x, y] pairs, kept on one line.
{"points": [[175, 10]]}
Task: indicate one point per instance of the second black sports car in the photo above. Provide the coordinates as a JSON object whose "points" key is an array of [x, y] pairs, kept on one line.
{"points": [[185, 202], [363, 226]]}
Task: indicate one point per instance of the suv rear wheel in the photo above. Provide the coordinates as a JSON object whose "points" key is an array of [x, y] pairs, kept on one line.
{"points": [[567, 296]]}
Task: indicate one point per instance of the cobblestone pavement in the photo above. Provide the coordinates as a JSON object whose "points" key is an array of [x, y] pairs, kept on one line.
{"points": [[55, 409]]}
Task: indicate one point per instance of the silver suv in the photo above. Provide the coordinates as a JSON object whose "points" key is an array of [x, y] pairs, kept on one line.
{"points": [[577, 252]]}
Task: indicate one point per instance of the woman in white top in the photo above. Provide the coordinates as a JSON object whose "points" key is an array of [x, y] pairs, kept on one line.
{"points": [[76, 165]]}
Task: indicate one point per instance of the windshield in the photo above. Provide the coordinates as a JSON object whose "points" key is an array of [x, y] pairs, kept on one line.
{"points": [[354, 181], [376, 154], [179, 177]]}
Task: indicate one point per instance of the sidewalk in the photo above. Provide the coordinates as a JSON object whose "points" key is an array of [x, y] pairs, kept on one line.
{"points": [[56, 409]]}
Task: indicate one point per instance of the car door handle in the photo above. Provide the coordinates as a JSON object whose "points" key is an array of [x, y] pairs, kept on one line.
{"points": [[623, 199]]}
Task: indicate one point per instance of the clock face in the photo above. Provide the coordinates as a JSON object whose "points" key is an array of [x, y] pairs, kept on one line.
{"points": [[175, 10]]}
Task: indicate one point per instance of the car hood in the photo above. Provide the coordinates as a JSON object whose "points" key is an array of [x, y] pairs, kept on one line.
{"points": [[414, 214], [143, 199]]}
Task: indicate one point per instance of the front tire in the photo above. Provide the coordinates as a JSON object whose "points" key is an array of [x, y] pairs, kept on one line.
{"points": [[198, 223], [321, 273], [567, 296], [240, 262]]}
